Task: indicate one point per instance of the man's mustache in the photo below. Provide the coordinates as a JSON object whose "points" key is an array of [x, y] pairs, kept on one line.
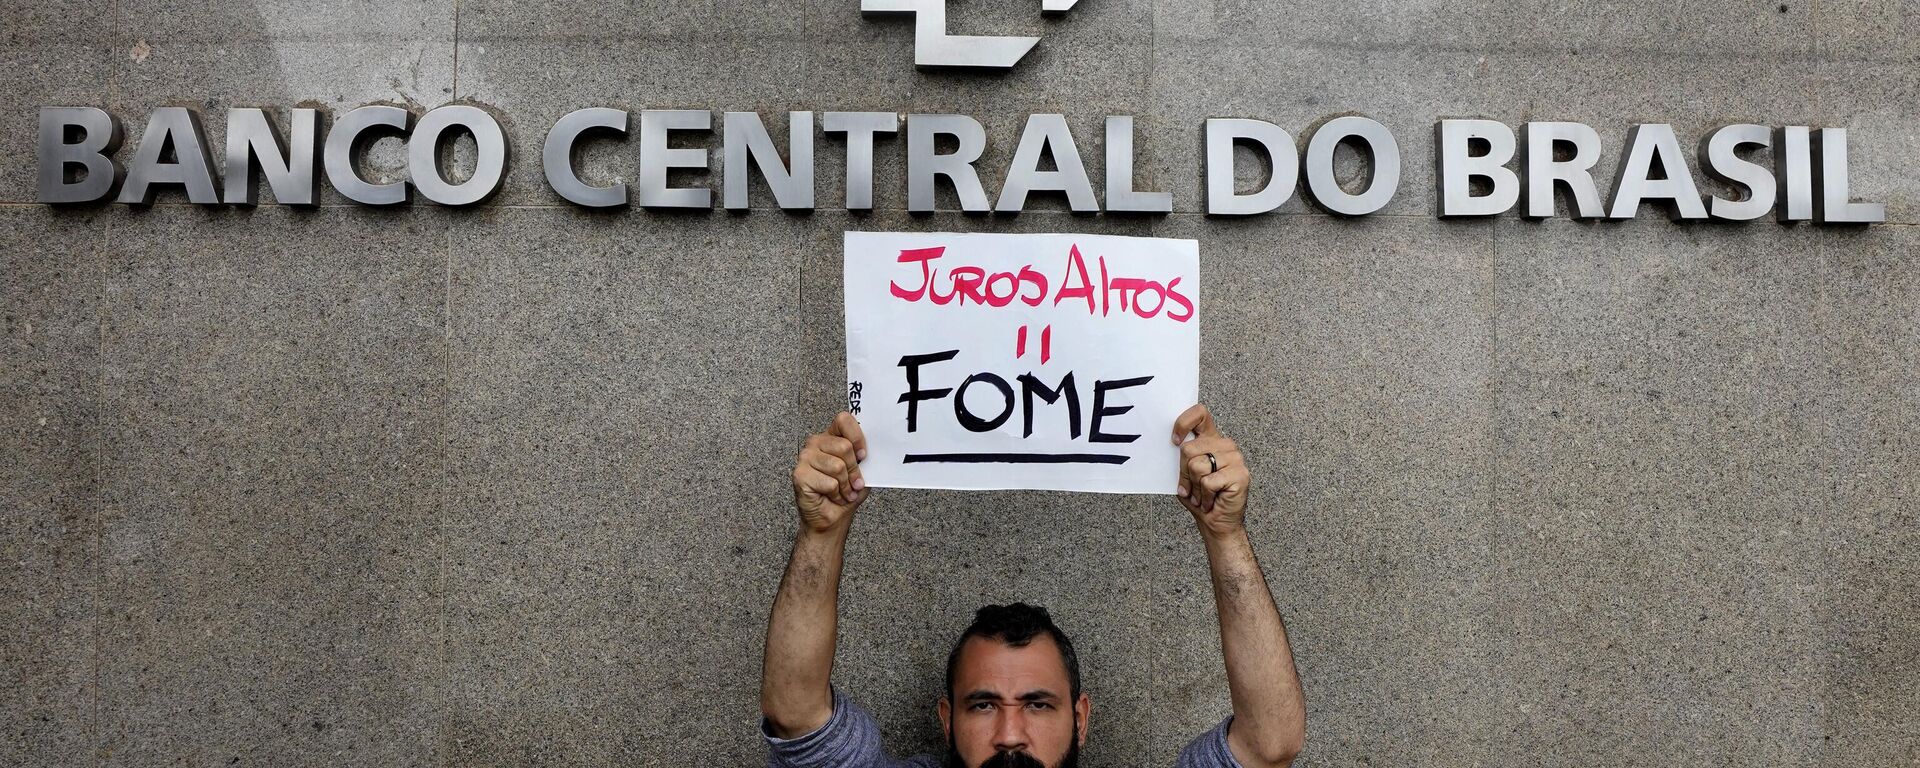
{"points": [[1012, 760]]}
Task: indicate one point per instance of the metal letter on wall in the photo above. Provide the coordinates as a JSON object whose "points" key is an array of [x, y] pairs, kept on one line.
{"points": [[490, 162], [933, 47], [656, 158], [1647, 143], [556, 156], [1049, 134], [1383, 154], [1274, 141], [287, 165], [860, 128], [179, 128], [1458, 167], [1834, 203], [100, 136], [744, 136], [1793, 164], [923, 164], [1720, 158], [1575, 173], [1121, 197], [344, 140]]}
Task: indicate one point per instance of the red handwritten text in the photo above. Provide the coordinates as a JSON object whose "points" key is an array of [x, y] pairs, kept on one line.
{"points": [[965, 284]]}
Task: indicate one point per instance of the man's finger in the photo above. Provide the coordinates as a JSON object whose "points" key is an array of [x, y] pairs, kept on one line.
{"points": [[1216, 446], [1196, 420], [1223, 483], [839, 477], [1198, 471], [1201, 446], [843, 449], [828, 464], [834, 467], [1197, 465], [845, 425], [850, 444], [813, 480], [833, 444]]}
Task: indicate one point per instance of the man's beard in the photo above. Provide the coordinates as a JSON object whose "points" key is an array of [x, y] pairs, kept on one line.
{"points": [[1017, 759]]}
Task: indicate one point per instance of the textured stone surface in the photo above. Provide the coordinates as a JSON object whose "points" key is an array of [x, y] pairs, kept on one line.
{"points": [[1692, 27], [1661, 492], [616, 482], [1868, 30], [50, 401], [507, 486], [1869, 292], [271, 458]]}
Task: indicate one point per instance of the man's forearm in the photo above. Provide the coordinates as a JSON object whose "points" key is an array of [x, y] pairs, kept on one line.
{"points": [[795, 692], [1269, 725]]}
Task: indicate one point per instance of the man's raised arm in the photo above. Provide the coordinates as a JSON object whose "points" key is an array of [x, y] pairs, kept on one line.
{"points": [[1269, 714], [795, 692]]}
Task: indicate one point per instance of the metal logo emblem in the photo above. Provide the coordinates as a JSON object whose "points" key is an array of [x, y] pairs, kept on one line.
{"points": [[933, 47]]}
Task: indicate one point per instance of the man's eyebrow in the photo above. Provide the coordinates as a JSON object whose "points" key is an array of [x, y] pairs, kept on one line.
{"points": [[1034, 695], [1030, 696]]}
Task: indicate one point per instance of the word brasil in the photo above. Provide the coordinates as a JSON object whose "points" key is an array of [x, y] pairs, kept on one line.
{"points": [[1807, 180]]}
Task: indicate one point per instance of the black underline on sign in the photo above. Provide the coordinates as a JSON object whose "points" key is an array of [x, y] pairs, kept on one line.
{"points": [[1015, 458]]}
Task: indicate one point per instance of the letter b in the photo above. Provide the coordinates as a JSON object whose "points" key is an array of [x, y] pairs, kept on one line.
{"points": [[100, 136]]}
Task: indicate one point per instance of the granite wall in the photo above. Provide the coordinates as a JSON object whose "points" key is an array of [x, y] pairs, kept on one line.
{"points": [[507, 486]]}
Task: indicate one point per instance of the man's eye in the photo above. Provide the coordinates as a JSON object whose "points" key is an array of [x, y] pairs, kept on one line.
{"points": [[1039, 705], [981, 706]]}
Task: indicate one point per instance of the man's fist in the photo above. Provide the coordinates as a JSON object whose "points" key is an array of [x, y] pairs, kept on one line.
{"points": [[1213, 474], [826, 478]]}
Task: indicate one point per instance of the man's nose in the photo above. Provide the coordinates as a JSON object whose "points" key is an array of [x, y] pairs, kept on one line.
{"points": [[1010, 731]]}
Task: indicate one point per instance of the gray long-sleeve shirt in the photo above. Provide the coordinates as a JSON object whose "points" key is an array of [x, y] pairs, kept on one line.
{"points": [[851, 739]]}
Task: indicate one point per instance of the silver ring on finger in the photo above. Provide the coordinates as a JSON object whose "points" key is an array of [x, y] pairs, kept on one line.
{"points": [[1212, 465]]}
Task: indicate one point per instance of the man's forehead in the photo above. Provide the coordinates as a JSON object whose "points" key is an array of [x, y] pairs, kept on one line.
{"points": [[991, 665]]}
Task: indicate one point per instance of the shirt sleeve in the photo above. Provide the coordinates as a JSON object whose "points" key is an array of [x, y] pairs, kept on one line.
{"points": [[1209, 750], [850, 739]]}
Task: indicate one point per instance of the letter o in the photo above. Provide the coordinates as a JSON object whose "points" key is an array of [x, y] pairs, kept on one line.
{"points": [[1382, 151], [423, 155], [974, 423]]}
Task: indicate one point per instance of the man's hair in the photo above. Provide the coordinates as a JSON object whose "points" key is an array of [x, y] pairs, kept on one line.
{"points": [[1016, 625]]}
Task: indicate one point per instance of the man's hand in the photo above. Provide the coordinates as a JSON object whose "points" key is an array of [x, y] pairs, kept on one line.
{"points": [[827, 486], [1213, 473]]}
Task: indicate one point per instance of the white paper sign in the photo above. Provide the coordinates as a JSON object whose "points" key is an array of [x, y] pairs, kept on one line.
{"points": [[1054, 362]]}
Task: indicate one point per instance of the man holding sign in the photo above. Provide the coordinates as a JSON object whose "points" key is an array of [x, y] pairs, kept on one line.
{"points": [[1013, 695], [1019, 361]]}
